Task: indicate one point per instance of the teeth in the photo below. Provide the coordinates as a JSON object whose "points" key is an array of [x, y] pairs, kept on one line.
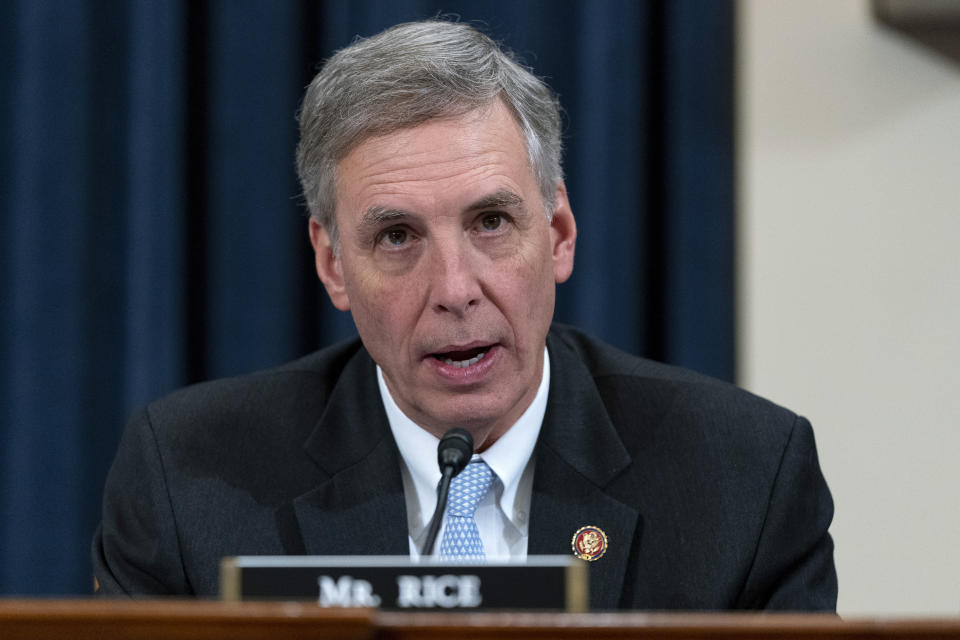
{"points": [[463, 364]]}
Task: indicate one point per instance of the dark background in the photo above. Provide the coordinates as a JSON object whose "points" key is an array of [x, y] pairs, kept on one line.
{"points": [[153, 235]]}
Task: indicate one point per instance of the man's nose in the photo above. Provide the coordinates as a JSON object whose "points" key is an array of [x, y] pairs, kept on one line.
{"points": [[455, 284]]}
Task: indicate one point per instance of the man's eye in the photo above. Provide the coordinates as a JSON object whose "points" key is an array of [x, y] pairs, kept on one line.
{"points": [[396, 237], [491, 221]]}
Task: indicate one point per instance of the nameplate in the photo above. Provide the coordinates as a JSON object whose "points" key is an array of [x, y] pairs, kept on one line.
{"points": [[398, 583]]}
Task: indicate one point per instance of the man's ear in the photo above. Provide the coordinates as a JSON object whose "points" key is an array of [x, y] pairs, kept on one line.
{"points": [[563, 236], [328, 266]]}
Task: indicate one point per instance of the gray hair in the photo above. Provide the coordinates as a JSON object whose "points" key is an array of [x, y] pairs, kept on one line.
{"points": [[405, 76]]}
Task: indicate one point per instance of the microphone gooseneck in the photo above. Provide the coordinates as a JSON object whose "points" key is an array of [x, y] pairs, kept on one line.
{"points": [[453, 454]]}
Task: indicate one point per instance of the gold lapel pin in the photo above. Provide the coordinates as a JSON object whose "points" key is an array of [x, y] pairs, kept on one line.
{"points": [[589, 543]]}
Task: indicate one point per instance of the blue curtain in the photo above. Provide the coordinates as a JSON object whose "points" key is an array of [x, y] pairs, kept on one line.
{"points": [[153, 235]]}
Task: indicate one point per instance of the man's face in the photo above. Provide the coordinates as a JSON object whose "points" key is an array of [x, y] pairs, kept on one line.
{"points": [[448, 263]]}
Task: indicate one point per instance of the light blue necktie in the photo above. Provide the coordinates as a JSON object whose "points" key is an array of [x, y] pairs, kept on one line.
{"points": [[461, 538]]}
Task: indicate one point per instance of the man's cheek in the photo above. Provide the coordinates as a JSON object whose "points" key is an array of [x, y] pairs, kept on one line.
{"points": [[382, 318]]}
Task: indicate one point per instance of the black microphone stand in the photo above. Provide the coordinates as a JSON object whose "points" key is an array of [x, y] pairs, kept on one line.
{"points": [[453, 454]]}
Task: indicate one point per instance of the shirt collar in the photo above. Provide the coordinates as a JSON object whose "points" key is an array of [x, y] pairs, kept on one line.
{"points": [[507, 457]]}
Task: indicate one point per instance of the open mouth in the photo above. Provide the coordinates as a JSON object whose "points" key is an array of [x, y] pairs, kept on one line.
{"points": [[462, 359]]}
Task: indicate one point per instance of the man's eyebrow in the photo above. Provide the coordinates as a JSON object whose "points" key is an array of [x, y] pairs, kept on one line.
{"points": [[499, 199], [375, 216]]}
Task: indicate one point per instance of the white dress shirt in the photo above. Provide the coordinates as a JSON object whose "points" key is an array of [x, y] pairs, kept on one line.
{"points": [[503, 515]]}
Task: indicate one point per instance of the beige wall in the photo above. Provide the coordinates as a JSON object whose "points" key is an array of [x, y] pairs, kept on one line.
{"points": [[849, 259]]}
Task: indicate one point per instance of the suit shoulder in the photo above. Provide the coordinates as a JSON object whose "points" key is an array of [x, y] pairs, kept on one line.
{"points": [[298, 388], [631, 385], [603, 360]]}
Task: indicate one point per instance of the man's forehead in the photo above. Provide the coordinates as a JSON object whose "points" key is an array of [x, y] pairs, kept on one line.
{"points": [[480, 158], [497, 118]]}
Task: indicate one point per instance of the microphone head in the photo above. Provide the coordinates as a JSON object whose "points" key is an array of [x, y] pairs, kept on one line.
{"points": [[455, 450]]}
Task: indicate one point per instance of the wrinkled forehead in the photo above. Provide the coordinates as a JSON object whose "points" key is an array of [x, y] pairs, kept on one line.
{"points": [[387, 124], [445, 141]]}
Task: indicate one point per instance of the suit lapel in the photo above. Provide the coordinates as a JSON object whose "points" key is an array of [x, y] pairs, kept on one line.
{"points": [[578, 454], [360, 508]]}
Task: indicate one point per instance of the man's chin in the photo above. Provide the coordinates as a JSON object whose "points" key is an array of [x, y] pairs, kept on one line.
{"points": [[479, 420], [471, 421], [483, 412]]}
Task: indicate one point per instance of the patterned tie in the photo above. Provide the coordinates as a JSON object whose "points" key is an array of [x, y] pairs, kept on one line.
{"points": [[461, 538]]}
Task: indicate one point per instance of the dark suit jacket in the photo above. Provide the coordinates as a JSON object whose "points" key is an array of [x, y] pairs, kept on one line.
{"points": [[711, 498]]}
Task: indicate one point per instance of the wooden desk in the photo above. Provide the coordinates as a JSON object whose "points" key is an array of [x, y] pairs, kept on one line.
{"points": [[205, 620], [177, 620], [658, 626]]}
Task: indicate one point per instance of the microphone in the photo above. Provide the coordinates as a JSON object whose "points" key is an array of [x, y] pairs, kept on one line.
{"points": [[453, 454]]}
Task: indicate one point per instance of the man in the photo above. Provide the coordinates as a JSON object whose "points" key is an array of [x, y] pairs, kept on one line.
{"points": [[430, 162]]}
